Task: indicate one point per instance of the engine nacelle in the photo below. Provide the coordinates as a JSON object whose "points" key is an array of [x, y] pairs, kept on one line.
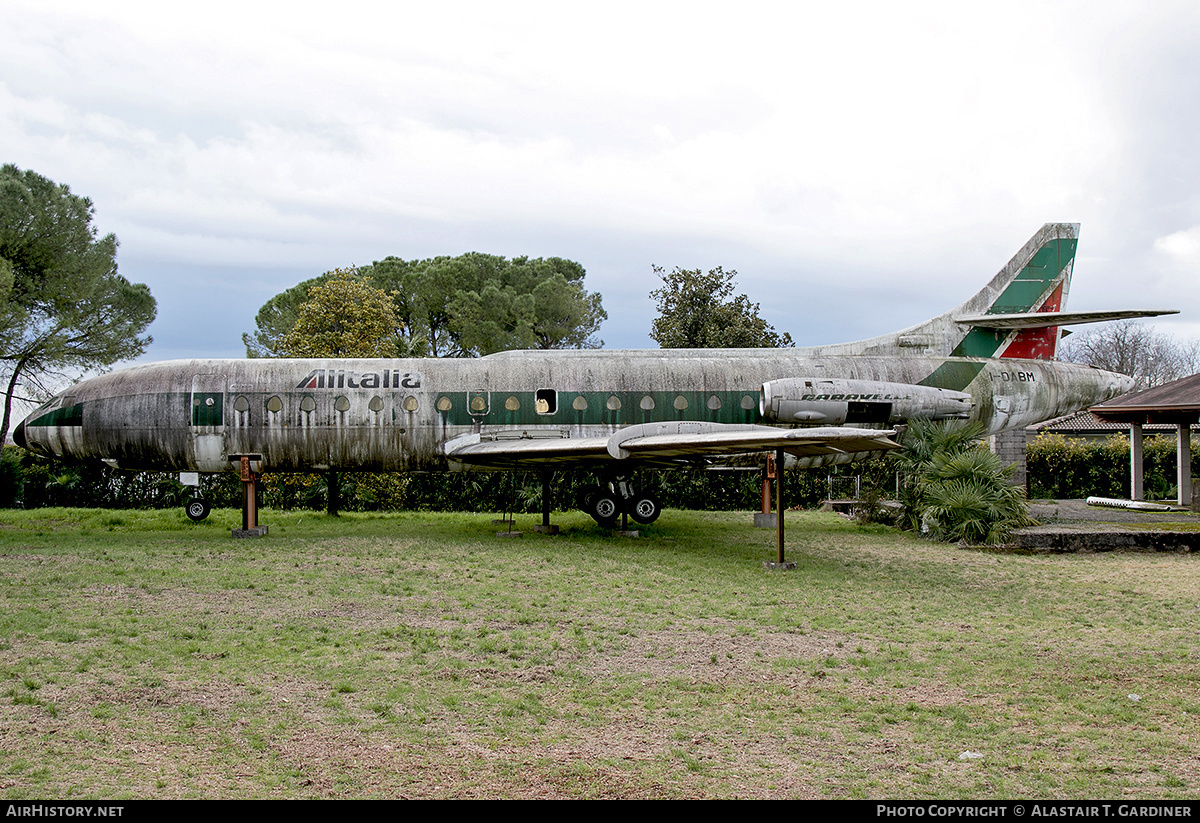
{"points": [[832, 402]]}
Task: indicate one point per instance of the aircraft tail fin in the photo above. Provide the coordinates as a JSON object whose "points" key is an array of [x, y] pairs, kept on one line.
{"points": [[1002, 318], [1017, 314]]}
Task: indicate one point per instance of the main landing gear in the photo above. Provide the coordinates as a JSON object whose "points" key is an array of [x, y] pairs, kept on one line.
{"points": [[607, 501]]}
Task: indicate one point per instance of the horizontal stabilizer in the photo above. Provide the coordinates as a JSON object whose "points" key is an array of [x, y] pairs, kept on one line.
{"points": [[1045, 319]]}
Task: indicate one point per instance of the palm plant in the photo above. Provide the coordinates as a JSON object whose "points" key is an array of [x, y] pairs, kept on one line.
{"points": [[954, 489]]}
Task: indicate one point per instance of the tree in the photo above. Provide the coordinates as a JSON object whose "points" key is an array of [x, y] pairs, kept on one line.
{"points": [[464, 306], [477, 304], [1133, 348], [697, 311], [344, 316], [276, 318], [63, 307], [527, 304]]}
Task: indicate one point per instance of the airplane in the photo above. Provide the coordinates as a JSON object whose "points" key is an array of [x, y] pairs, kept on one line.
{"points": [[989, 359]]}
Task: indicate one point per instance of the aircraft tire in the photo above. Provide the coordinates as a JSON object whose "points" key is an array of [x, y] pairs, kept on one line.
{"points": [[196, 509], [605, 509], [585, 496], [645, 509]]}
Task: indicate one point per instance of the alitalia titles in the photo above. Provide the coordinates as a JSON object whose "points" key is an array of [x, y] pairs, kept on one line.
{"points": [[347, 379]]}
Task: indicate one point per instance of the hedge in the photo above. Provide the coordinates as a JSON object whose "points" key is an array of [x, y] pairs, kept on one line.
{"points": [[1072, 468]]}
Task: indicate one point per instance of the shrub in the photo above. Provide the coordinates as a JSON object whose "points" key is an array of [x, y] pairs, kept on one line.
{"points": [[953, 488]]}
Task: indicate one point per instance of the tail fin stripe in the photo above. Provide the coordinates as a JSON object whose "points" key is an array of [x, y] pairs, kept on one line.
{"points": [[1038, 286]]}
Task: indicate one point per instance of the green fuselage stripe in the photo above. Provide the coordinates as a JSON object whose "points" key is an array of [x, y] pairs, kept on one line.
{"points": [[65, 416], [597, 408], [953, 375]]}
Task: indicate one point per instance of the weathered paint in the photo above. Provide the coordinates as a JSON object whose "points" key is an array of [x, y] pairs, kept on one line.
{"points": [[125, 418], [375, 415]]}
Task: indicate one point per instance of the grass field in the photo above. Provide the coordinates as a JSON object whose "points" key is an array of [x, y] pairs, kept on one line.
{"points": [[418, 655]]}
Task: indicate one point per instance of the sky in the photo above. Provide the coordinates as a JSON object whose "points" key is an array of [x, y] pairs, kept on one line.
{"points": [[862, 166]]}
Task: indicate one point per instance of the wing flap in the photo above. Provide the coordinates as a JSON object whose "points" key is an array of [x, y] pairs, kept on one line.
{"points": [[667, 444]]}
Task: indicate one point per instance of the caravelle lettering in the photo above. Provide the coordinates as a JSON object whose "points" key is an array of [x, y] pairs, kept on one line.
{"points": [[851, 397], [342, 379]]}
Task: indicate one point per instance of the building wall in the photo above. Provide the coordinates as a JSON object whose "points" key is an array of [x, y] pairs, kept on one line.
{"points": [[1009, 446]]}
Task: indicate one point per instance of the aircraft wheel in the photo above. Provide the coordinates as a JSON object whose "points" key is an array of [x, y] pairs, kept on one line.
{"points": [[605, 508], [196, 509], [645, 509], [585, 497]]}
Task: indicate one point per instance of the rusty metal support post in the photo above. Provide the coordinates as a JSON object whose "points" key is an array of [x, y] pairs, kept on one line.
{"points": [[779, 506], [249, 496], [768, 473], [764, 519], [546, 528], [249, 478]]}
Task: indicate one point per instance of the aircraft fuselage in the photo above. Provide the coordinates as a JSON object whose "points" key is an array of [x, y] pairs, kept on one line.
{"points": [[396, 415]]}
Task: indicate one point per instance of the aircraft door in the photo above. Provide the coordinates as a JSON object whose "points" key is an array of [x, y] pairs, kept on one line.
{"points": [[208, 422]]}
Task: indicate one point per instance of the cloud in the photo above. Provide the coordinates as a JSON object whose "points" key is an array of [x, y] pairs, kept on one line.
{"points": [[879, 156], [1181, 248]]}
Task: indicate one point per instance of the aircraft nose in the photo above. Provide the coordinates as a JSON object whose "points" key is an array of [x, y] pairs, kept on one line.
{"points": [[19, 436]]}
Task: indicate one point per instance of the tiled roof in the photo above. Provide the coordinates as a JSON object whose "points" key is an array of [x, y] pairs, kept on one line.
{"points": [[1084, 422], [1178, 394]]}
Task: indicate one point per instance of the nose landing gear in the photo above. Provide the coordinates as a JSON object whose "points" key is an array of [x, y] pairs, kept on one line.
{"points": [[196, 509]]}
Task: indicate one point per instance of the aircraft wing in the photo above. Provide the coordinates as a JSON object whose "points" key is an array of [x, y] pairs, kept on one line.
{"points": [[664, 444]]}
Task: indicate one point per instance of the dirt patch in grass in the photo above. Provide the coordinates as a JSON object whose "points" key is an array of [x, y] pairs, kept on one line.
{"points": [[449, 666]]}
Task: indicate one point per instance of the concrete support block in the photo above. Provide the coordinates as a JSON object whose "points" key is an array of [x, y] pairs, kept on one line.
{"points": [[764, 520], [256, 531]]}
